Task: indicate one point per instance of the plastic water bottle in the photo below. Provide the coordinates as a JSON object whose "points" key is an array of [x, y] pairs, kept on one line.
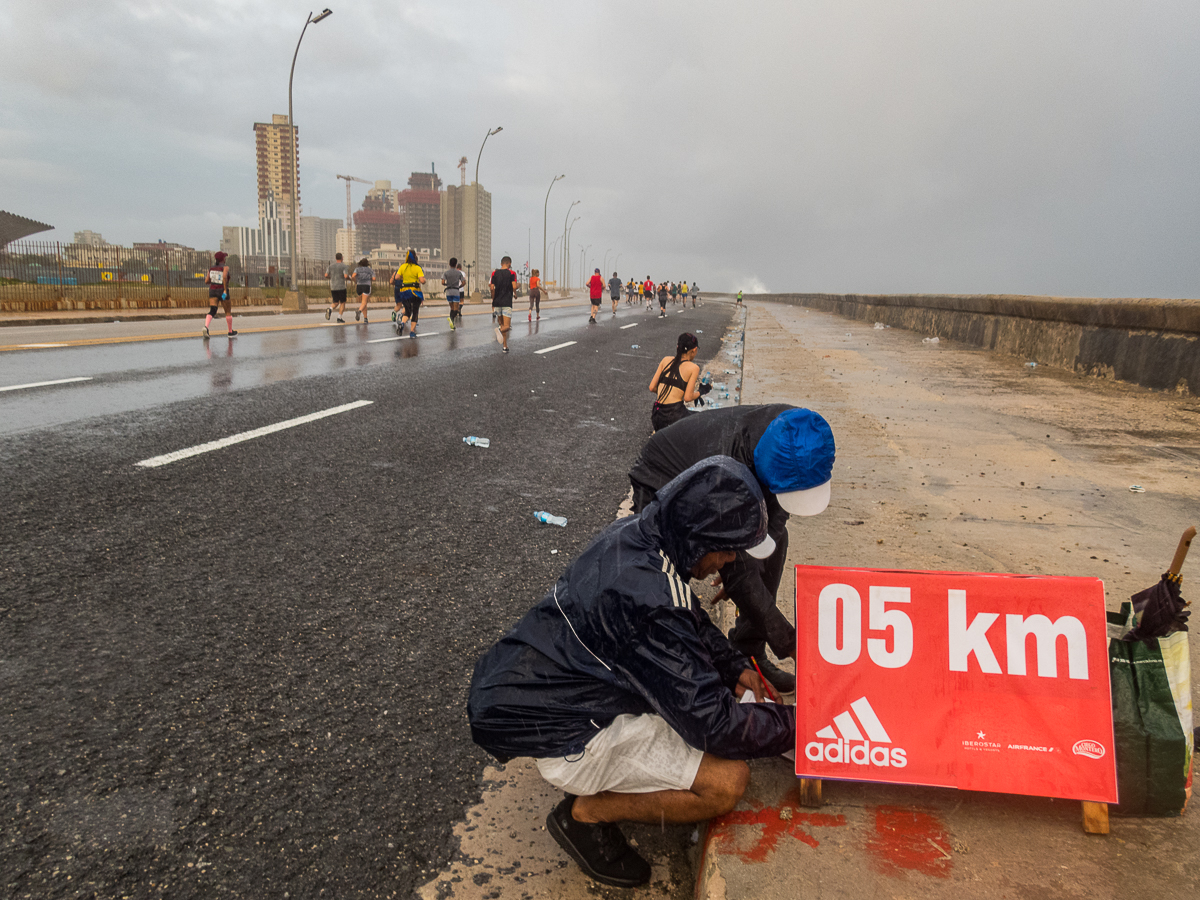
{"points": [[706, 378], [543, 516], [473, 441]]}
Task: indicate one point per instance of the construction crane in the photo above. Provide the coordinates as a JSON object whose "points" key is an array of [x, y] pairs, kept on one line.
{"points": [[462, 167], [348, 179]]}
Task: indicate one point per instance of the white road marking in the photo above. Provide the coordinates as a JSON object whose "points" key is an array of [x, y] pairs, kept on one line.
{"points": [[634, 325], [555, 347], [33, 384], [37, 346], [401, 337], [156, 461]]}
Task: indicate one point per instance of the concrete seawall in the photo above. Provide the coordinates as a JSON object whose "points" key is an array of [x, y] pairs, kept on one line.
{"points": [[1153, 343]]}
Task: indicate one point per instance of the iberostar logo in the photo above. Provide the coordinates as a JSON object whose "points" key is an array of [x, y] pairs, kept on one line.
{"points": [[850, 746]]}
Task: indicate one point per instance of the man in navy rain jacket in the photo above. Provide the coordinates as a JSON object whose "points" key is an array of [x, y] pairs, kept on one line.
{"points": [[622, 688]]}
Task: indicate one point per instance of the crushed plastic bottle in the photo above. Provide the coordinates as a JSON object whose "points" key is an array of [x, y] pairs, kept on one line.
{"points": [[879, 326], [473, 441], [1031, 365], [635, 346], [932, 340], [543, 516]]}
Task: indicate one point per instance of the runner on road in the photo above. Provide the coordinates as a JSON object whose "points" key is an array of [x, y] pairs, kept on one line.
{"points": [[739, 303], [695, 294], [629, 292], [453, 280], [407, 281], [614, 291], [363, 276], [674, 291], [648, 290], [674, 382], [217, 280], [683, 289], [504, 284], [336, 273], [535, 293], [663, 293], [595, 292]]}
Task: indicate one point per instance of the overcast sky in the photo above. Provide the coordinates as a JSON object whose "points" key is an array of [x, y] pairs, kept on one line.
{"points": [[997, 146]]}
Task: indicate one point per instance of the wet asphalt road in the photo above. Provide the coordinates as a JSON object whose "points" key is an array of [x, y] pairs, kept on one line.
{"points": [[244, 673]]}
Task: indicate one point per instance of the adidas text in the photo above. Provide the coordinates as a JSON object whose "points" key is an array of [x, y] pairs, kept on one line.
{"points": [[856, 754]]}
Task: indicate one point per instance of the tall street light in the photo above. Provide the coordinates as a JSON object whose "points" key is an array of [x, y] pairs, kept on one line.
{"points": [[617, 264], [604, 265], [563, 273], [567, 252], [496, 130], [545, 206], [301, 300], [583, 264]]}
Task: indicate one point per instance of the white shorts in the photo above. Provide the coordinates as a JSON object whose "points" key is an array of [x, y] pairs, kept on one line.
{"points": [[633, 755]]}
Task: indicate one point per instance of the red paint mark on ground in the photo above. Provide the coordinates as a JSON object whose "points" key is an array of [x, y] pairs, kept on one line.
{"points": [[909, 840], [789, 819]]}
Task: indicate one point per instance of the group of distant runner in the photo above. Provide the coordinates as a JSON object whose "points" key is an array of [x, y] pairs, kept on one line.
{"points": [[408, 279]]}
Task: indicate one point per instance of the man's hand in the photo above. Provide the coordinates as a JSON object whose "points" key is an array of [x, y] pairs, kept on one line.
{"points": [[721, 595], [749, 681]]}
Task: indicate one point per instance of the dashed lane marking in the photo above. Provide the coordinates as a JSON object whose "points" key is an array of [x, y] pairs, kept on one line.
{"points": [[156, 461], [555, 347], [33, 384], [634, 325], [401, 337]]}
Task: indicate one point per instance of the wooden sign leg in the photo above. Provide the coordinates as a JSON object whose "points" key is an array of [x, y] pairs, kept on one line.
{"points": [[1095, 817], [810, 792]]}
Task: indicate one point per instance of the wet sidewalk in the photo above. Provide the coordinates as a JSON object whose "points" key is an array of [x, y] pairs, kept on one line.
{"points": [[953, 458]]}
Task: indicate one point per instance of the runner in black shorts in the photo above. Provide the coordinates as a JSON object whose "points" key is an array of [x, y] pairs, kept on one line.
{"points": [[363, 276], [217, 280], [408, 280]]}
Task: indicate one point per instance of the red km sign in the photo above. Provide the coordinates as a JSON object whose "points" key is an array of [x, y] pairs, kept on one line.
{"points": [[982, 682]]}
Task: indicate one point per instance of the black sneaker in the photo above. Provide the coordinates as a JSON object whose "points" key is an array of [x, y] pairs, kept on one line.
{"points": [[601, 850], [782, 680], [232, 333], [328, 313]]}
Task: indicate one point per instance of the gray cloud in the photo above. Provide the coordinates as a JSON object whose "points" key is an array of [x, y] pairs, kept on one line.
{"points": [[858, 145]]}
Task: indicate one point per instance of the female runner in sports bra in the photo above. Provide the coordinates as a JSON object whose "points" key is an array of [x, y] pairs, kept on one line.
{"points": [[675, 383]]}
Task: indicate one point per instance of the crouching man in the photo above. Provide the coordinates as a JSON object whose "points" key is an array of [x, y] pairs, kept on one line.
{"points": [[622, 688]]}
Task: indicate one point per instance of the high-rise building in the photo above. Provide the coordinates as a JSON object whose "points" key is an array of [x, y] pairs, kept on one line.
{"points": [[274, 144], [421, 206], [379, 222], [466, 225], [269, 239], [346, 244], [318, 237]]}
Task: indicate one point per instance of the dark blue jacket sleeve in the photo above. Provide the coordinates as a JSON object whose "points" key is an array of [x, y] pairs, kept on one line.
{"points": [[728, 662], [671, 667]]}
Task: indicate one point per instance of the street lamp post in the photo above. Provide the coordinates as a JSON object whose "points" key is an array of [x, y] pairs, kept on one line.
{"points": [[567, 253], [301, 300], [496, 130], [604, 265], [563, 249], [545, 207], [617, 264]]}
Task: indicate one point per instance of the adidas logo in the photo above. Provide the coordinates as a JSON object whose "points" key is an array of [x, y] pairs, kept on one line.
{"points": [[856, 740]]}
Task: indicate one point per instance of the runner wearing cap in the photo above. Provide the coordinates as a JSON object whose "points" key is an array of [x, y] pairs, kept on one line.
{"points": [[614, 291], [217, 280], [791, 452]]}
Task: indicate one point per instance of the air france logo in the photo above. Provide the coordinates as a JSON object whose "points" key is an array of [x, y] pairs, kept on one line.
{"points": [[850, 746]]}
